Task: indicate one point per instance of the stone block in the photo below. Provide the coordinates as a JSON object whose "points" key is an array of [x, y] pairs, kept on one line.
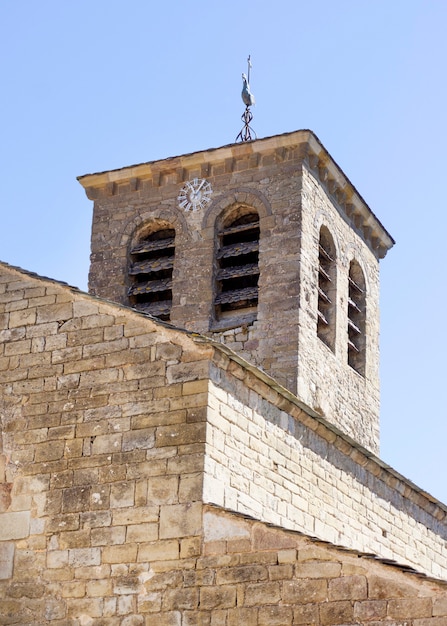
{"points": [[140, 533], [275, 616], [185, 372], [162, 490], [57, 559], [163, 550], [49, 451], [95, 519], [383, 588], [66, 522], [341, 612], [85, 609], [84, 557], [73, 589], [181, 434], [190, 487], [305, 591], [212, 598], [181, 599], [110, 535], [122, 494], [369, 610], [318, 569], [440, 606], [74, 539], [241, 574], [6, 559], [26, 317], [190, 547], [348, 588], [306, 614], [75, 499], [401, 608], [180, 520], [14, 525], [169, 618], [126, 553], [138, 439], [262, 593]]}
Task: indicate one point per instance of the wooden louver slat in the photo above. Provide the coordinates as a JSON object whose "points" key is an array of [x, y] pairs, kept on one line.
{"points": [[240, 228], [236, 249], [355, 285], [152, 265], [157, 309], [149, 246], [324, 296], [237, 271], [325, 253], [150, 286], [237, 295]]}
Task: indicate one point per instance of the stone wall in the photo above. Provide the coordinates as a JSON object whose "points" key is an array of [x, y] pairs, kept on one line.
{"points": [[258, 575], [116, 431], [103, 428], [268, 458], [324, 379], [295, 187]]}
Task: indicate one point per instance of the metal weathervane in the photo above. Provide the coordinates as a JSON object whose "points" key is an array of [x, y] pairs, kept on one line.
{"points": [[247, 133]]}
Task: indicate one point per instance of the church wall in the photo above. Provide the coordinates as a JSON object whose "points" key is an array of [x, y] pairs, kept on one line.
{"points": [[258, 575], [269, 459], [325, 381], [263, 184], [101, 459], [111, 427], [295, 187]]}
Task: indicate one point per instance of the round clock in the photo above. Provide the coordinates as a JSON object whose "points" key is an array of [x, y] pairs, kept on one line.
{"points": [[195, 194]]}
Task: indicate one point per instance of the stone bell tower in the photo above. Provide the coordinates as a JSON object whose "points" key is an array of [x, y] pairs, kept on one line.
{"points": [[265, 246]]}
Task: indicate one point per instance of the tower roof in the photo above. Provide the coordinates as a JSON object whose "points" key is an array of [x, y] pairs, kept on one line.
{"points": [[301, 143]]}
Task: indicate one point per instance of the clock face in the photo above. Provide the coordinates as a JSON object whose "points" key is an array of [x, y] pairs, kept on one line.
{"points": [[195, 194]]}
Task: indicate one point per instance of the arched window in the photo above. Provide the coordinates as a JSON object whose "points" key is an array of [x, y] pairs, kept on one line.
{"points": [[150, 271], [356, 318], [237, 271], [327, 276]]}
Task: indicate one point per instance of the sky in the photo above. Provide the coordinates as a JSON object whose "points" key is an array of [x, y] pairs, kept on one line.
{"points": [[94, 85]]}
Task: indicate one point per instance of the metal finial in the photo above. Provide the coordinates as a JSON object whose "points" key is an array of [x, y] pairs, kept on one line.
{"points": [[249, 100]]}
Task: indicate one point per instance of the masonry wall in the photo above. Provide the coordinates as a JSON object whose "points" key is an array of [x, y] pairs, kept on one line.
{"points": [[268, 458], [258, 575], [239, 180], [103, 429], [286, 180], [325, 381], [109, 422]]}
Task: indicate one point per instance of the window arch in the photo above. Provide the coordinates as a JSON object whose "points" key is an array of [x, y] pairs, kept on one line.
{"points": [[356, 318], [237, 268], [150, 270], [327, 277]]}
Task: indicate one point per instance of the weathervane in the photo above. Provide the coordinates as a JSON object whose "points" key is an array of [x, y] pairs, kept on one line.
{"points": [[248, 99]]}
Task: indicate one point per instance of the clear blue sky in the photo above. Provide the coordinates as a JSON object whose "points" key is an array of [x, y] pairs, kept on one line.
{"points": [[93, 85]]}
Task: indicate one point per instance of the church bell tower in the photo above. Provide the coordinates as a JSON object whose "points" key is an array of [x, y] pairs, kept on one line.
{"points": [[263, 245]]}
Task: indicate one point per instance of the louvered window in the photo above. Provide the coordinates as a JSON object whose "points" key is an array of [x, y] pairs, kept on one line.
{"points": [[237, 269], [326, 289], [150, 271], [356, 318]]}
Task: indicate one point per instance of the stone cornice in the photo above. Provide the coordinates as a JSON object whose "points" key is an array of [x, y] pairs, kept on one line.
{"points": [[302, 145]]}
